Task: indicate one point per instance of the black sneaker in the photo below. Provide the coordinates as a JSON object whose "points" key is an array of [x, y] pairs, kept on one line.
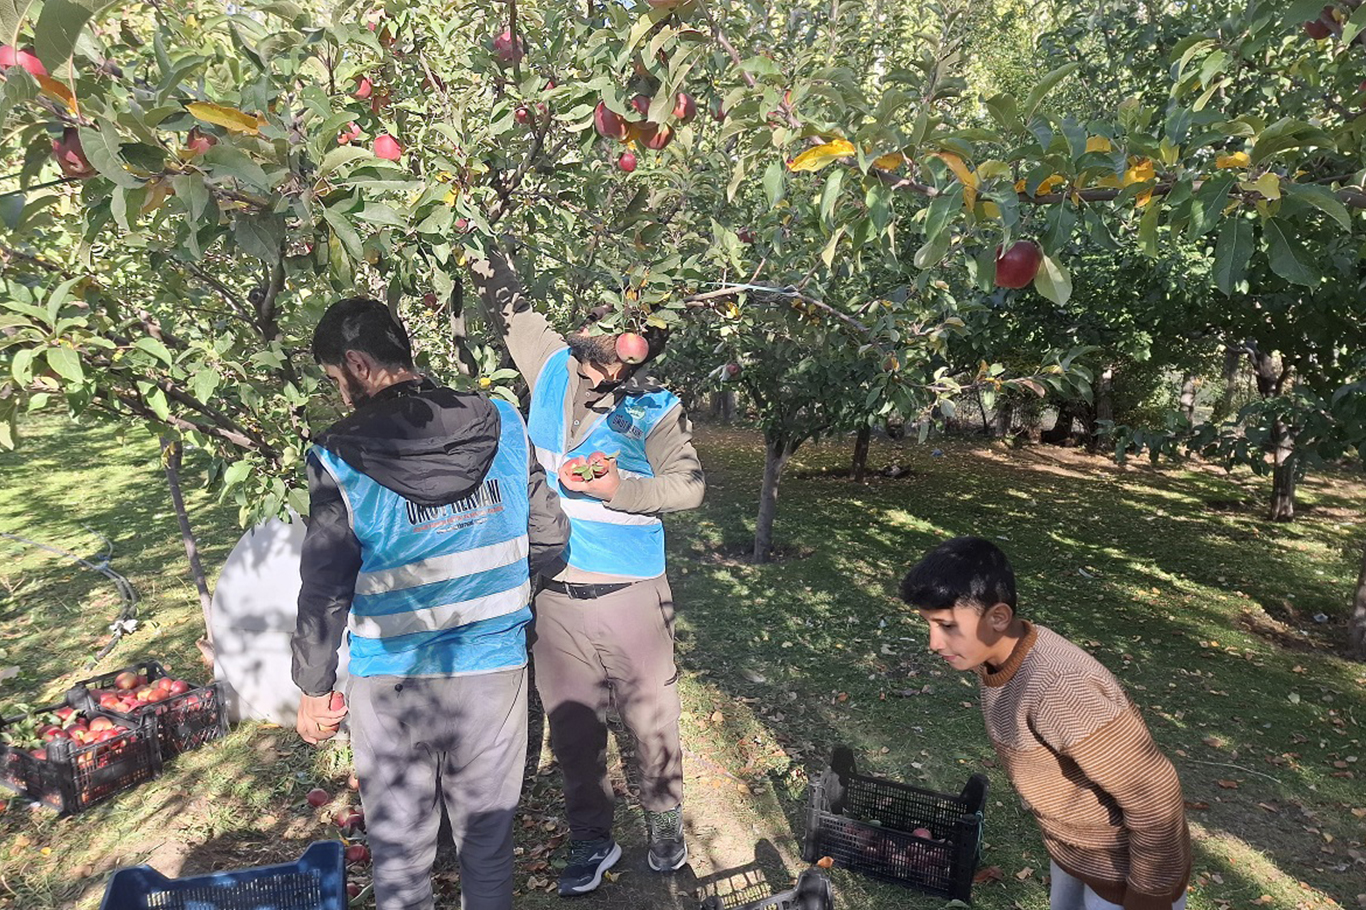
{"points": [[668, 850], [588, 860]]}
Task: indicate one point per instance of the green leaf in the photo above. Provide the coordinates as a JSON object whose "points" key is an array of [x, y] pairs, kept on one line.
{"points": [[1231, 254], [101, 147], [12, 209], [1147, 231], [155, 348], [1053, 281], [66, 363], [344, 232], [1208, 204], [204, 384], [941, 210], [12, 13], [236, 473], [773, 182], [831, 195], [227, 161], [1288, 258], [932, 252], [297, 499], [1046, 85], [259, 235], [1321, 198], [342, 154], [191, 191], [156, 400], [59, 27], [1354, 25]]}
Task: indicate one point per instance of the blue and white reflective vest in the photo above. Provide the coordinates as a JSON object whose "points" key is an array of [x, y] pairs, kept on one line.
{"points": [[600, 540], [442, 590]]}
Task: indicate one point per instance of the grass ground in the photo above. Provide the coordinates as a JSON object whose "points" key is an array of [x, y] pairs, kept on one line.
{"points": [[1203, 610]]}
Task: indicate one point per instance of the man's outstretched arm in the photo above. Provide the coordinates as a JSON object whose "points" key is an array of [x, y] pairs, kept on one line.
{"points": [[529, 337]]}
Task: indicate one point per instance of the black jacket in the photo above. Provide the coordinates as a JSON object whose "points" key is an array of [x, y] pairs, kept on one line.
{"points": [[429, 444]]}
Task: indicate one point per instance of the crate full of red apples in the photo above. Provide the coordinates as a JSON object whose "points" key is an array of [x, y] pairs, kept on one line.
{"points": [[187, 715], [70, 759]]}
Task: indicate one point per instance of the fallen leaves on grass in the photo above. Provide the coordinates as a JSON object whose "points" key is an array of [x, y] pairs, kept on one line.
{"points": [[1025, 873], [826, 862], [1228, 784], [989, 874]]}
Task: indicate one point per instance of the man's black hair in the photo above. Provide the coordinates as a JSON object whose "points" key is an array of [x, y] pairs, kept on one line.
{"points": [[361, 324], [961, 570]]}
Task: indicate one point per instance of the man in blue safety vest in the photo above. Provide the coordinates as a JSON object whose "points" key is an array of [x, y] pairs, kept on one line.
{"points": [[604, 622], [429, 515]]}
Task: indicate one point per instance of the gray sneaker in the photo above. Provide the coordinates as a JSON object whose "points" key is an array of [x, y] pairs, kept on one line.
{"points": [[588, 860], [668, 850]]}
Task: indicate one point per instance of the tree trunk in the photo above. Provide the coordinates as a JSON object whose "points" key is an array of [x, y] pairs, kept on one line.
{"points": [[861, 443], [1188, 397], [1283, 477], [1232, 357], [777, 450], [1005, 413], [172, 454], [723, 405], [1356, 623], [982, 409]]}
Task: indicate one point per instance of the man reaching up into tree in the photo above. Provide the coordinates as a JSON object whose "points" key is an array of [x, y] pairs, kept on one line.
{"points": [[604, 623]]}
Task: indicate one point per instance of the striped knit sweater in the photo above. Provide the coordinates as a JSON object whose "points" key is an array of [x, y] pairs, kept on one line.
{"points": [[1078, 752]]}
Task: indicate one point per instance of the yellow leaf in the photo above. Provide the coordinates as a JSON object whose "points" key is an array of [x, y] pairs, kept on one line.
{"points": [[991, 210], [813, 159], [1050, 184], [229, 118], [1269, 185], [1236, 160], [889, 162], [54, 89], [1140, 171], [1109, 181], [966, 176], [1098, 144]]}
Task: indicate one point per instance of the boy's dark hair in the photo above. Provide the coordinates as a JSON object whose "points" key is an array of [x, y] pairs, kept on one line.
{"points": [[965, 569], [361, 324]]}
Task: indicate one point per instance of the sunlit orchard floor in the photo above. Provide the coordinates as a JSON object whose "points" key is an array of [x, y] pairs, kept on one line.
{"points": [[1171, 577]]}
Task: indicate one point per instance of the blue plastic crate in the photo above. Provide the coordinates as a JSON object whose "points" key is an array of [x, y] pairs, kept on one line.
{"points": [[316, 882]]}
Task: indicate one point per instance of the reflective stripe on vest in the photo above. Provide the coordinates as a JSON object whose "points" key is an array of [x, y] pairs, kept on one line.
{"points": [[442, 590], [600, 539]]}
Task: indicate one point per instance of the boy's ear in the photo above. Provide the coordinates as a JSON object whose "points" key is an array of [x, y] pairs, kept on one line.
{"points": [[999, 617]]}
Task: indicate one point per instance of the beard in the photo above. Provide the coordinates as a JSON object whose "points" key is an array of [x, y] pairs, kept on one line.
{"points": [[599, 350], [354, 390]]}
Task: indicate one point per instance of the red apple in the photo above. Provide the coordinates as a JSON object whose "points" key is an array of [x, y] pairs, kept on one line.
{"points": [[9, 56], [745, 235], [1317, 30], [1017, 266], [357, 853], [718, 113], [337, 702], [685, 108], [924, 832], [388, 147], [363, 87], [197, 143], [632, 348], [641, 104], [627, 162], [178, 687], [70, 156], [158, 695], [506, 50], [317, 797], [662, 136], [163, 682], [126, 680], [353, 890], [101, 723], [40, 754], [379, 101], [462, 224], [65, 713], [732, 370], [144, 693], [522, 115]]}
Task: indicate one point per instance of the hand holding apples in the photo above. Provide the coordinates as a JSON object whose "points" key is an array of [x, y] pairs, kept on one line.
{"points": [[595, 476], [319, 716]]}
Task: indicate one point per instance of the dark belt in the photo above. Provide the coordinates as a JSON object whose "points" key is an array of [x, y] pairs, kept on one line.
{"points": [[584, 592]]}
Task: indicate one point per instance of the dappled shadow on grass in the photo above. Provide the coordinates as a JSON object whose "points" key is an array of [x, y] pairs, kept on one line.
{"points": [[1128, 563]]}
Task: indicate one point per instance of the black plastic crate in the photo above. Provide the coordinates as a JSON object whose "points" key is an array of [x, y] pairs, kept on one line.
{"points": [[185, 721], [868, 824], [316, 881], [73, 777], [812, 892]]}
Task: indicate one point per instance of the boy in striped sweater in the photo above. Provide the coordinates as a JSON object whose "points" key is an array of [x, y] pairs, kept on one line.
{"points": [[1108, 802]]}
